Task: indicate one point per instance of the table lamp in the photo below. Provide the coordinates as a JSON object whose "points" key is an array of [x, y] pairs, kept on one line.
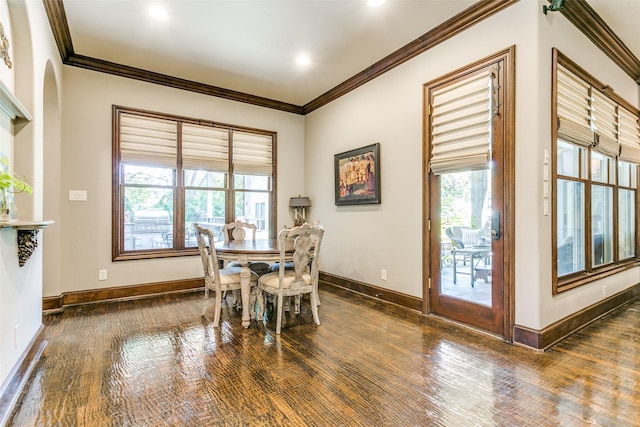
{"points": [[299, 205]]}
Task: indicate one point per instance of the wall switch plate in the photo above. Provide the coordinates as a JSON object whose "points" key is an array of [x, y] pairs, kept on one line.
{"points": [[383, 274], [78, 195]]}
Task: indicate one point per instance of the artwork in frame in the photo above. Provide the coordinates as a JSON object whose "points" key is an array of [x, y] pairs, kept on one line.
{"points": [[357, 176]]}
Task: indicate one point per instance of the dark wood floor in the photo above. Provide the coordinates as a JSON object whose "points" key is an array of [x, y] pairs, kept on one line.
{"points": [[156, 362]]}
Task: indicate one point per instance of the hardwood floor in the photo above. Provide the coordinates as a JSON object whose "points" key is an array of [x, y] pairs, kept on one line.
{"points": [[156, 362]]}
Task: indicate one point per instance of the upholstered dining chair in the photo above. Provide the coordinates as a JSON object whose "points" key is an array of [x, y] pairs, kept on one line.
{"points": [[216, 279], [302, 279], [237, 230]]}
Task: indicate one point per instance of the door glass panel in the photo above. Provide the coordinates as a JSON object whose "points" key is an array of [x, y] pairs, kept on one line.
{"points": [[465, 247]]}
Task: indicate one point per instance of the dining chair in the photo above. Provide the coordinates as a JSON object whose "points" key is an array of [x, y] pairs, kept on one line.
{"points": [[217, 279], [305, 240], [237, 230]]}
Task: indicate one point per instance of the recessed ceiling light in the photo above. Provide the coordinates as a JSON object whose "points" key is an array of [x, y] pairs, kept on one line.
{"points": [[303, 60], [158, 12], [375, 3]]}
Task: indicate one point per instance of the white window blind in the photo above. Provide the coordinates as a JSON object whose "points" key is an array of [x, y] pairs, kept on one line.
{"points": [[461, 116], [205, 147], [574, 119], [252, 153], [604, 122], [147, 140], [628, 136]]}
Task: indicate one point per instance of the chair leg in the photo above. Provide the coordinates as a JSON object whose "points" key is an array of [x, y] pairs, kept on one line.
{"points": [[261, 304], [280, 310], [206, 296], [314, 307], [297, 304], [218, 308]]}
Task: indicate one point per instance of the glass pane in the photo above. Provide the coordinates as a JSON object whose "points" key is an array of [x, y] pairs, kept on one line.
{"points": [[601, 170], [251, 182], [570, 227], [601, 224], [465, 245], [569, 159], [627, 174], [207, 208], [626, 224], [149, 175], [148, 222], [253, 207], [204, 179]]}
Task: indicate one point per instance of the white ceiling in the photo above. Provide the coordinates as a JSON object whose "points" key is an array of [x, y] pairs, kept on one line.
{"points": [[250, 46]]}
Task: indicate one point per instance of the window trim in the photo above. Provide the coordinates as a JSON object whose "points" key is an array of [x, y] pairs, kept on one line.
{"points": [[590, 273], [117, 193]]}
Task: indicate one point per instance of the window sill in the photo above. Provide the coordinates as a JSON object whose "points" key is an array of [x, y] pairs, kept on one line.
{"points": [[583, 278]]}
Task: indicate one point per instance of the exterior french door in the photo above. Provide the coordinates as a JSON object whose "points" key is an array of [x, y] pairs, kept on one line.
{"points": [[465, 196]]}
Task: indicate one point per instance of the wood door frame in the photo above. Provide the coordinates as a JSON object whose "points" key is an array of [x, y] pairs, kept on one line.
{"points": [[508, 220]]}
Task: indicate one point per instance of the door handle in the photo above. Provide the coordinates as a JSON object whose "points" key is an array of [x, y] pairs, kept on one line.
{"points": [[495, 225]]}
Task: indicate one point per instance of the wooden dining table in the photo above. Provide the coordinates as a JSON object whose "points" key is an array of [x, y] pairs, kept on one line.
{"points": [[245, 252]]}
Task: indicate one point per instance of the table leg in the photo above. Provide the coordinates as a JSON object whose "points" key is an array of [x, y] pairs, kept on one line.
{"points": [[245, 290]]}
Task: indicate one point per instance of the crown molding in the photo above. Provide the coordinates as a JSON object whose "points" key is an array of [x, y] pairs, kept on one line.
{"points": [[578, 12]]}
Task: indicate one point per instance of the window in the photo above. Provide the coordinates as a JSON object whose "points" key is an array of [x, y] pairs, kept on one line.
{"points": [[170, 172], [597, 152]]}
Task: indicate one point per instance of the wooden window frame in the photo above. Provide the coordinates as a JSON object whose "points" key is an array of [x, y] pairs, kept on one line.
{"points": [[590, 273], [179, 187]]}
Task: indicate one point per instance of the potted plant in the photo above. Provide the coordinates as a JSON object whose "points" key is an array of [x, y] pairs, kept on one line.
{"points": [[10, 183]]}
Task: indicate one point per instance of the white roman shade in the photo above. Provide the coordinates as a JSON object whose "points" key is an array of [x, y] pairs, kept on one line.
{"points": [[148, 140], [628, 136], [604, 122], [205, 147], [461, 116], [573, 112], [252, 153]]}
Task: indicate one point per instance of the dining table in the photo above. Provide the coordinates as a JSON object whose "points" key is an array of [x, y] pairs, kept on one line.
{"points": [[247, 251]]}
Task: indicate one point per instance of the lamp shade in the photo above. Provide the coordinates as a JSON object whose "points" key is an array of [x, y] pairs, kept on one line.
{"points": [[299, 202]]}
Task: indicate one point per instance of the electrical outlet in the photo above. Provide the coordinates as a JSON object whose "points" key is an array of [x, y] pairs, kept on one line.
{"points": [[604, 291], [15, 335], [102, 274], [383, 274]]}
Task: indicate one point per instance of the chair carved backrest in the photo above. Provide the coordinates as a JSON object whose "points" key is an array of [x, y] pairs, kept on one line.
{"points": [[237, 231], [205, 239], [305, 240]]}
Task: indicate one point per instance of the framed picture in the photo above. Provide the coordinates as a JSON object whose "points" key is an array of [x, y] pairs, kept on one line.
{"points": [[357, 176]]}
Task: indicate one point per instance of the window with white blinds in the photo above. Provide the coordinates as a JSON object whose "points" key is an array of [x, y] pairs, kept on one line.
{"points": [[252, 153], [596, 160], [205, 147], [461, 125], [171, 172], [148, 140], [628, 136], [573, 111], [604, 124]]}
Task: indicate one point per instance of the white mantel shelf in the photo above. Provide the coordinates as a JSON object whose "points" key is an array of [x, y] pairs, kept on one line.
{"points": [[27, 236]]}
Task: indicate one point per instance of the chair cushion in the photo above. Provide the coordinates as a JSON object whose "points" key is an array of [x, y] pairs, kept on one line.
{"points": [[272, 280], [276, 266], [258, 267], [229, 276]]}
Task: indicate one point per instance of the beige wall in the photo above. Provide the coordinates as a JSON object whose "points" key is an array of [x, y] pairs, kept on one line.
{"points": [[33, 51], [86, 165], [362, 240]]}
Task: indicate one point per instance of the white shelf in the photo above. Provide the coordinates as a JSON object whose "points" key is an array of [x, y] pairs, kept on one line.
{"points": [[25, 225]]}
